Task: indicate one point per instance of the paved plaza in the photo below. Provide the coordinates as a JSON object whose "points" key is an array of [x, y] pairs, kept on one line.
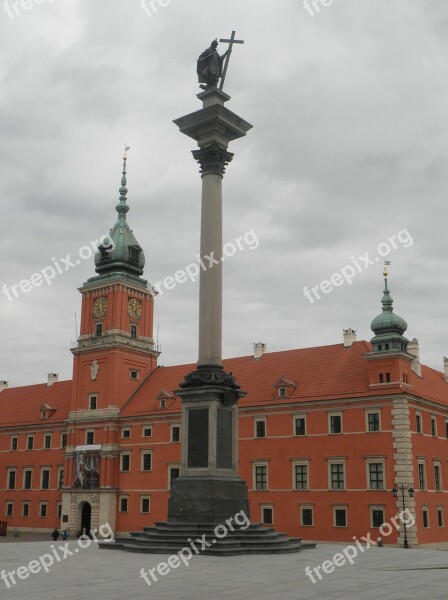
{"points": [[90, 573]]}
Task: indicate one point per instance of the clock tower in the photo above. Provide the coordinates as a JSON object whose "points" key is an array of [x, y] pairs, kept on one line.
{"points": [[114, 354]]}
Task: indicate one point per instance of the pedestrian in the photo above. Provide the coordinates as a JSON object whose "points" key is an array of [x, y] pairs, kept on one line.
{"points": [[55, 534]]}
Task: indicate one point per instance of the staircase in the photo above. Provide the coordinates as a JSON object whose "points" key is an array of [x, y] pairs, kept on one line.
{"points": [[170, 537]]}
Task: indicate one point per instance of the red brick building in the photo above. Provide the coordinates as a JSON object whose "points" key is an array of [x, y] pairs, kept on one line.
{"points": [[325, 433]]}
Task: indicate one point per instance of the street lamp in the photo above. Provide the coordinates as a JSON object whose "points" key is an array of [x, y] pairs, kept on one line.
{"points": [[402, 487]]}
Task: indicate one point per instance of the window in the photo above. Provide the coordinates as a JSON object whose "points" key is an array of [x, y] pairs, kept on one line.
{"points": [[59, 510], [30, 442], [43, 509], [25, 509], [145, 504], [299, 426], [440, 517], [373, 421], [27, 479], [267, 515], [337, 476], [9, 509], [376, 476], [133, 331], [45, 479], [260, 428], [134, 374], [124, 504], [90, 438], [425, 518], [381, 378], [377, 517], [98, 329], [405, 378], [282, 392], [11, 480], [175, 433], [162, 403], [174, 473], [421, 476], [434, 426], [60, 478], [446, 429], [387, 377], [93, 402], [418, 423], [126, 433], [147, 431], [386, 346], [306, 516], [335, 424], [14, 443], [261, 477], [47, 441], [437, 481], [125, 462], [301, 477], [146, 461], [340, 517], [63, 440], [134, 254]]}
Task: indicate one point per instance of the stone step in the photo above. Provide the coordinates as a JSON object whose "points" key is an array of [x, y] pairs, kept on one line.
{"points": [[215, 551], [169, 538], [159, 534]]}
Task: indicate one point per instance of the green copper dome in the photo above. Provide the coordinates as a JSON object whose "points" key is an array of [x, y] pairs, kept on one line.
{"points": [[120, 251], [388, 327]]}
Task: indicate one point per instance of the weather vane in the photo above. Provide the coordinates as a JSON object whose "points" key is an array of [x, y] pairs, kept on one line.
{"points": [[126, 148], [212, 67], [386, 264]]}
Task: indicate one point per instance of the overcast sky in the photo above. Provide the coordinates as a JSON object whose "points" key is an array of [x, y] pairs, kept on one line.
{"points": [[349, 147]]}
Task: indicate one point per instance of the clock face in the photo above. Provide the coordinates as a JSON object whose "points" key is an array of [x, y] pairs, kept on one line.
{"points": [[134, 309], [99, 307]]}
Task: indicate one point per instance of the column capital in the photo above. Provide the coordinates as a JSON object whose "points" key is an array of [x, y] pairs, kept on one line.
{"points": [[213, 159]]}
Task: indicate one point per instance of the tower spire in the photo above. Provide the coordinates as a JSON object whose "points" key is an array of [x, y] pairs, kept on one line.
{"points": [[124, 254], [388, 327], [122, 207]]}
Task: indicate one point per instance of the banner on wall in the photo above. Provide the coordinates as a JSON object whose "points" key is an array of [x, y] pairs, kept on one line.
{"points": [[87, 466]]}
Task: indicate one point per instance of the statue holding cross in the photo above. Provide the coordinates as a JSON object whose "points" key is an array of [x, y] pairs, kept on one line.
{"points": [[212, 67]]}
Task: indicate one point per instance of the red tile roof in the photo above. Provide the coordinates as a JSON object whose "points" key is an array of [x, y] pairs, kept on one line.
{"points": [[21, 405], [322, 373]]}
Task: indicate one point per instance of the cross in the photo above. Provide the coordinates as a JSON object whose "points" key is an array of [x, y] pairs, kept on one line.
{"points": [[229, 52]]}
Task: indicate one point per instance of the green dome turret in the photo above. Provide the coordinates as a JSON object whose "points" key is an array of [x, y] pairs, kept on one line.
{"points": [[120, 251], [388, 327]]}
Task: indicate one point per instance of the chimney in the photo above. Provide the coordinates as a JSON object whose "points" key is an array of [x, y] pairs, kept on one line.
{"points": [[259, 349], [3, 385], [414, 350], [349, 337], [445, 364], [52, 378]]}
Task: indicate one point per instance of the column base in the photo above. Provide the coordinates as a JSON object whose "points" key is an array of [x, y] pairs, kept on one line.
{"points": [[207, 499]]}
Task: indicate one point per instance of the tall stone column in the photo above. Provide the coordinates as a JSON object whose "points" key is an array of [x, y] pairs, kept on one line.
{"points": [[209, 489]]}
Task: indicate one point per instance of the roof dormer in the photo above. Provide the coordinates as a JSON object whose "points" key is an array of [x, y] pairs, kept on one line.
{"points": [[284, 388]]}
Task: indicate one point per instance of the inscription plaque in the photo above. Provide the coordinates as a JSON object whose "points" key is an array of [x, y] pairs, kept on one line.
{"points": [[224, 439], [198, 438]]}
